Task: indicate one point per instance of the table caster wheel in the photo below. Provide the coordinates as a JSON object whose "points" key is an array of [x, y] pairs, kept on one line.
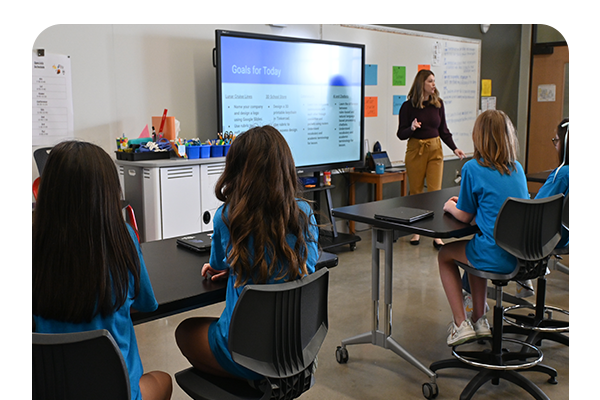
{"points": [[430, 390], [341, 355]]}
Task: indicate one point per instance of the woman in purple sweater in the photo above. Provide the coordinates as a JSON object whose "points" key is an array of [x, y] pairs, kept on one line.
{"points": [[423, 123]]}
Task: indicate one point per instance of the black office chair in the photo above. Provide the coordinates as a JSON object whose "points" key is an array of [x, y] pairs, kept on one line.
{"points": [[558, 253], [276, 331], [75, 366], [538, 327], [529, 230], [40, 156]]}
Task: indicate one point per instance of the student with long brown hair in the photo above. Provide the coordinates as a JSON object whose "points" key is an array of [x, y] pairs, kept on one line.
{"points": [[87, 266], [422, 120], [493, 175], [263, 234]]}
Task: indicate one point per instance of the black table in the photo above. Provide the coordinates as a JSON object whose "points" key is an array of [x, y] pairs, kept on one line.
{"points": [[441, 225], [175, 274]]}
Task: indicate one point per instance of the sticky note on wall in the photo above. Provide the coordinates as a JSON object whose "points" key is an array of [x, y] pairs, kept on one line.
{"points": [[486, 87], [397, 103], [371, 106], [370, 74], [399, 76]]}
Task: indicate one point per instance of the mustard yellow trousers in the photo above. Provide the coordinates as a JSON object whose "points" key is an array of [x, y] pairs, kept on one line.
{"points": [[424, 162]]}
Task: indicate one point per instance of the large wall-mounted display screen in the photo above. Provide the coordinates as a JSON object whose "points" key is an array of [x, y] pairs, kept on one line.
{"points": [[311, 91]]}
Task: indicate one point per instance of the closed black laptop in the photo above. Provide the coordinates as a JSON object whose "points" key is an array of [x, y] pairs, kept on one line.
{"points": [[404, 215], [197, 242]]}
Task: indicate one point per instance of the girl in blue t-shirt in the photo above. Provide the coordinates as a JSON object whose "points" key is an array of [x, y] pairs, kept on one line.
{"points": [[487, 180], [87, 267], [558, 180], [263, 234]]}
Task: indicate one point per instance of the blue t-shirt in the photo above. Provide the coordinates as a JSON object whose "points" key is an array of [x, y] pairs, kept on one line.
{"points": [[483, 190], [557, 182], [218, 334], [118, 324]]}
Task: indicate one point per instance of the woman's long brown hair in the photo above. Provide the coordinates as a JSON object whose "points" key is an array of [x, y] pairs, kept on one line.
{"points": [[415, 95], [495, 141], [260, 190], [82, 250]]}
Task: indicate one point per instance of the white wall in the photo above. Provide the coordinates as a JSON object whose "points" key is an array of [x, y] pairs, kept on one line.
{"points": [[122, 75]]}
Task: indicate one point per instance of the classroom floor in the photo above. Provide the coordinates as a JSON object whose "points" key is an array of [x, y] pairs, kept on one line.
{"points": [[420, 319]]}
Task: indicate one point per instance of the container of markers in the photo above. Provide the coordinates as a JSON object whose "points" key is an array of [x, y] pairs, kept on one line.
{"points": [[216, 150], [192, 151], [205, 151]]}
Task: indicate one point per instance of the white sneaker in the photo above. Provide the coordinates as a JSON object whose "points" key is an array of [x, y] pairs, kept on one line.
{"points": [[482, 328], [468, 304], [460, 334], [524, 289]]}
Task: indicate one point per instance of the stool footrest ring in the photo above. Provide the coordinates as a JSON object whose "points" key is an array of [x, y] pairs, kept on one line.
{"points": [[532, 327], [539, 356]]}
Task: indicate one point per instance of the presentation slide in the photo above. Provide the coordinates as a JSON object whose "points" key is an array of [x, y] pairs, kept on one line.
{"points": [[310, 92]]}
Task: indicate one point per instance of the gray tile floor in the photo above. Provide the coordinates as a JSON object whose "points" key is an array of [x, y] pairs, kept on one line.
{"points": [[420, 318]]}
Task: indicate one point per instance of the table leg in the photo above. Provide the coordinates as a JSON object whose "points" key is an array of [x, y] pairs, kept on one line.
{"points": [[383, 239], [351, 201], [378, 191]]}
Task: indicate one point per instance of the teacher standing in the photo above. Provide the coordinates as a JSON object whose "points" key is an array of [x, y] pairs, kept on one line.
{"points": [[423, 122]]}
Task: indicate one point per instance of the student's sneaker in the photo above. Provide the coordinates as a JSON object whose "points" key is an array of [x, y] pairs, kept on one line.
{"points": [[460, 334], [482, 328], [524, 289], [468, 304]]}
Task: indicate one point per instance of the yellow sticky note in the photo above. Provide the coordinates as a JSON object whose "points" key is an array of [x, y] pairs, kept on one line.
{"points": [[486, 87]]}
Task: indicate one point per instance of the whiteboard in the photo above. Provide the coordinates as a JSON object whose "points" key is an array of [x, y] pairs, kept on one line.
{"points": [[455, 61]]}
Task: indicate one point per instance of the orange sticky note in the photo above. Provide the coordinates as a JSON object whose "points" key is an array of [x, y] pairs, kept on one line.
{"points": [[371, 106], [424, 66]]}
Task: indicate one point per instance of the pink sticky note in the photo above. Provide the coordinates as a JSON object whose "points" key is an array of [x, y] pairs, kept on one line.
{"points": [[145, 132]]}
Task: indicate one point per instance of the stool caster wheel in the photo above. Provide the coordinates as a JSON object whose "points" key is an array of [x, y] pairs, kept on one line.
{"points": [[553, 380], [341, 355], [430, 390], [352, 246]]}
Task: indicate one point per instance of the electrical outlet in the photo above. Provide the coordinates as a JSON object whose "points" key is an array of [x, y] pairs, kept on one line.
{"points": [[457, 177]]}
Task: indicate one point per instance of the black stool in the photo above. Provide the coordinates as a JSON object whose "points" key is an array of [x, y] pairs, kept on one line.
{"points": [[529, 230]]}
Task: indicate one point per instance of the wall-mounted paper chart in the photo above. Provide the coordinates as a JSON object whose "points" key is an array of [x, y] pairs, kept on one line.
{"points": [[52, 99]]}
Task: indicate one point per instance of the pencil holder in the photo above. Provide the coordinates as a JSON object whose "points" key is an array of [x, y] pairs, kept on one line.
{"points": [[193, 151], [216, 150], [205, 151], [226, 149]]}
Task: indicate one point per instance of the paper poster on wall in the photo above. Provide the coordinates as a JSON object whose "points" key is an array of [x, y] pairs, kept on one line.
{"points": [[398, 76], [488, 103], [370, 106], [52, 99], [397, 103], [546, 93], [424, 66], [370, 74]]}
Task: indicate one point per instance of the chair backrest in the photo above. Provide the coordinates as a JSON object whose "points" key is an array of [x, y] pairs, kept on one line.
{"points": [[529, 229], [277, 329], [565, 212], [40, 156], [82, 365]]}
